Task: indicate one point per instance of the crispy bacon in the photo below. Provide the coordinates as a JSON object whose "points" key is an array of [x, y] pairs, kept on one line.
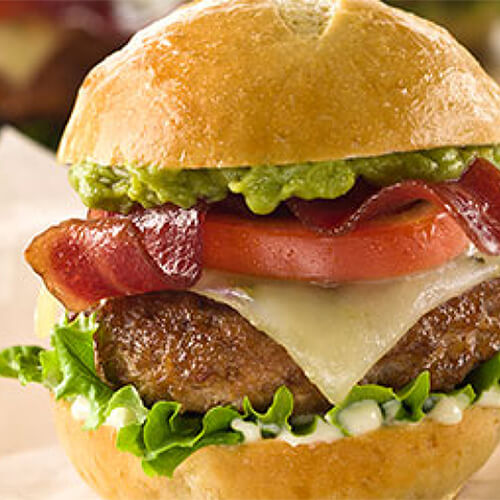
{"points": [[473, 200], [82, 261]]}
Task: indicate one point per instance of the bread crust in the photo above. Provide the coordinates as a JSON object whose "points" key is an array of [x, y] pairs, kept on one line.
{"points": [[226, 83], [423, 461]]}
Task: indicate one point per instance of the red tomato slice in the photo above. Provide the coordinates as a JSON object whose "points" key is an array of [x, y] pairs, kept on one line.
{"points": [[421, 238]]}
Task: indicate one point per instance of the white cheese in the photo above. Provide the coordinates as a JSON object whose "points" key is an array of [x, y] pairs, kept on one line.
{"points": [[490, 398], [361, 417], [337, 334]]}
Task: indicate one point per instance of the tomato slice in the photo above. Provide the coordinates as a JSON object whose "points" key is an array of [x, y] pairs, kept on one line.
{"points": [[420, 238]]}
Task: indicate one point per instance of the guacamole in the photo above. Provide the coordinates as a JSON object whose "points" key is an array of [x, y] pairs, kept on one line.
{"points": [[117, 188]]}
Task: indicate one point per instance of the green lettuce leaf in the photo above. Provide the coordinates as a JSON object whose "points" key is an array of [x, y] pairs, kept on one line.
{"points": [[21, 362], [413, 398], [170, 437], [486, 375], [51, 371], [163, 436], [73, 344], [277, 415], [127, 397], [131, 439]]}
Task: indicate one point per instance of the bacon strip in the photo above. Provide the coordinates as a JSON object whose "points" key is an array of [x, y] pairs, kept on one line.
{"points": [[82, 261], [473, 201]]}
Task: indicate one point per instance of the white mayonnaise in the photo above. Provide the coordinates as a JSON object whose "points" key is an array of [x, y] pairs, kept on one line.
{"points": [[120, 417], [250, 431], [80, 408], [357, 419], [270, 428], [449, 409], [361, 417], [324, 433], [490, 398]]}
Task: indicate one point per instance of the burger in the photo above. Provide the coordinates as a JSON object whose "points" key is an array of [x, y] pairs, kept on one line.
{"points": [[47, 48], [287, 284]]}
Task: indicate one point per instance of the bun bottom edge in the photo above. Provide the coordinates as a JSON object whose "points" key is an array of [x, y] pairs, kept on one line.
{"points": [[427, 460]]}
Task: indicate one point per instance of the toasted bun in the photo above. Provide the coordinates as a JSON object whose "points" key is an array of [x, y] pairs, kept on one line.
{"points": [[227, 83], [427, 460]]}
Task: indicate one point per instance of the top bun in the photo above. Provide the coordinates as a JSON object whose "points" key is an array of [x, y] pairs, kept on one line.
{"points": [[224, 83]]}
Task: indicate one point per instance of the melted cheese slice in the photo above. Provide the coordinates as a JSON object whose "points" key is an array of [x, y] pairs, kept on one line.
{"points": [[337, 334], [48, 312]]}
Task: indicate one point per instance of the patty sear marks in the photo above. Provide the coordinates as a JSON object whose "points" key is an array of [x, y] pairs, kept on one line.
{"points": [[184, 347]]}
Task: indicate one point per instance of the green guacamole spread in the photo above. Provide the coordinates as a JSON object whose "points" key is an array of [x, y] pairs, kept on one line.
{"points": [[263, 187]]}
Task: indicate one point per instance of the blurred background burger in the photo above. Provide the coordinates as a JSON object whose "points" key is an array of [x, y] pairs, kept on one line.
{"points": [[48, 46]]}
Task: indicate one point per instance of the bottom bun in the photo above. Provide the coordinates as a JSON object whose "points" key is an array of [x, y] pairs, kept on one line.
{"points": [[423, 461]]}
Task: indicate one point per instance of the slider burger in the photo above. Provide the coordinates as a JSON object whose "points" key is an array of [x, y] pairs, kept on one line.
{"points": [[288, 282], [47, 47]]}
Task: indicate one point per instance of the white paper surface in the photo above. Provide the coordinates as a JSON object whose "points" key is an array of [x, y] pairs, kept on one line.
{"points": [[43, 474], [34, 194]]}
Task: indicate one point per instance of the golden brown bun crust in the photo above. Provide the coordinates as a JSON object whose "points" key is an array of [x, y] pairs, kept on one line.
{"points": [[247, 82], [427, 460]]}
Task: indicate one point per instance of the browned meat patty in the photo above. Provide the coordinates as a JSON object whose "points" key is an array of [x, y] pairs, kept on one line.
{"points": [[449, 341], [177, 345], [180, 346]]}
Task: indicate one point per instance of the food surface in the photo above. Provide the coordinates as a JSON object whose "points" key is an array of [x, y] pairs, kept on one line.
{"points": [[449, 341], [201, 353], [389, 457], [263, 187], [276, 83], [81, 261], [292, 245], [187, 348]]}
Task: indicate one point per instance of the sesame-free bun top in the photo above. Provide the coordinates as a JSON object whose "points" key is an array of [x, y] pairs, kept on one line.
{"points": [[224, 83]]}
